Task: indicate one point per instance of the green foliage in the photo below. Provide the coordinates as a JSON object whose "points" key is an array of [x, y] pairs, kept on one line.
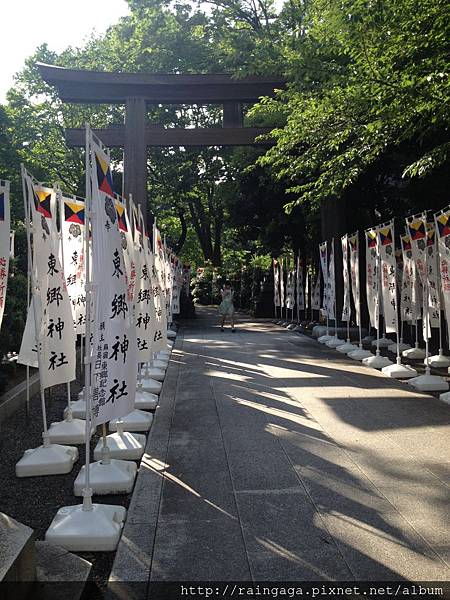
{"points": [[370, 79]]}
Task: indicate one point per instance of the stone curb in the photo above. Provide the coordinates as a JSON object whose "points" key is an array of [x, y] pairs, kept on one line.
{"points": [[132, 563]]}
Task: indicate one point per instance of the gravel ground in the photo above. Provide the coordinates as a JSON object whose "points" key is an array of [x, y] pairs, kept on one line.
{"points": [[34, 501]]}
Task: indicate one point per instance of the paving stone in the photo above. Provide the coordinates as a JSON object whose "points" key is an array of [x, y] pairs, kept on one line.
{"points": [[200, 551], [283, 541]]}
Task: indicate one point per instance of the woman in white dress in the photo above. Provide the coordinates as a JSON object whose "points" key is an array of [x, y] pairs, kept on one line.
{"points": [[226, 307]]}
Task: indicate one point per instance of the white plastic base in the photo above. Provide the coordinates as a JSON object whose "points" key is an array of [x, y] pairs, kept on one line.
{"points": [[68, 432], [438, 361], [160, 364], [51, 460], [292, 326], [399, 371], [383, 342], [359, 354], [445, 397], [96, 530], [171, 334], [151, 385], [127, 446], [136, 420], [78, 409], [402, 346], [346, 347], [145, 400], [415, 353], [334, 343], [377, 362], [323, 339], [429, 383], [115, 477], [152, 373]]}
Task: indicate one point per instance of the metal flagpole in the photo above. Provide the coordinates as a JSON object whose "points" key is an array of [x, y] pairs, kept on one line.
{"points": [[35, 292], [27, 219], [60, 238], [87, 491]]}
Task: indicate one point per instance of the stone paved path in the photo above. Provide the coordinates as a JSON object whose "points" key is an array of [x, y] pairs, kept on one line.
{"points": [[275, 458]]}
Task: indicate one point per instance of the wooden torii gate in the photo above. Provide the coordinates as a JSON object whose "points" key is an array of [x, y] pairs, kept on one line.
{"points": [[137, 90]]}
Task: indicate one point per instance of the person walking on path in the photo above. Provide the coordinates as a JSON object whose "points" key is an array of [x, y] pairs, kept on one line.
{"points": [[226, 307]]}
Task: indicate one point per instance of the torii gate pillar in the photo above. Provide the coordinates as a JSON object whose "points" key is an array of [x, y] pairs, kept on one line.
{"points": [[135, 152]]}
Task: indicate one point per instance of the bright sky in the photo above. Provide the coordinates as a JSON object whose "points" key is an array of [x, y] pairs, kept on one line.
{"points": [[27, 24]]}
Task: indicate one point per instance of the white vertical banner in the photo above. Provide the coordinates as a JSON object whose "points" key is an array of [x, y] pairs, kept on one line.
{"points": [[331, 295], [388, 266], [72, 213], [315, 294], [372, 275], [434, 301], [417, 228], [308, 280], [5, 249], [346, 306], [442, 221], [155, 262], [114, 357], [282, 292], [406, 306], [28, 354], [323, 254], [353, 246], [276, 284], [300, 299], [177, 285], [56, 339], [127, 244], [290, 288]]}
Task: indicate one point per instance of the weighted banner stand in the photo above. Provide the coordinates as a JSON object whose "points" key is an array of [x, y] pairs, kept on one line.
{"points": [[48, 459], [415, 353], [87, 526]]}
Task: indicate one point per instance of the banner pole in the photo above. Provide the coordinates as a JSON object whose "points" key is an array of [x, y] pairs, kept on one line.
{"points": [[27, 223], [60, 238], [34, 283], [87, 491]]}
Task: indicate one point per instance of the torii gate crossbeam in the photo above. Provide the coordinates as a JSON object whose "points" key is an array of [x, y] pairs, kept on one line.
{"points": [[137, 90]]}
